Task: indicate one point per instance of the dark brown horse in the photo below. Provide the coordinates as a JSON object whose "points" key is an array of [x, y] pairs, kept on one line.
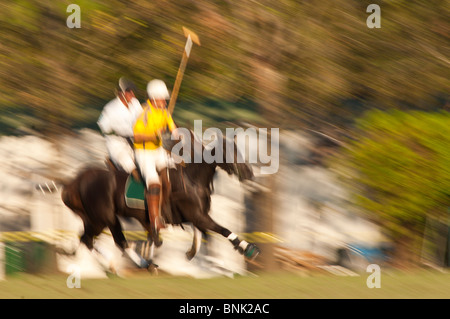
{"points": [[97, 196]]}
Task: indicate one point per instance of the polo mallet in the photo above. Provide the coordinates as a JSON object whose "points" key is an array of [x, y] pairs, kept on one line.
{"points": [[191, 38]]}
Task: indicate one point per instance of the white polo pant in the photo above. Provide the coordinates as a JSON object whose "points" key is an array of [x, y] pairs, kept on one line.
{"points": [[121, 153], [150, 162]]}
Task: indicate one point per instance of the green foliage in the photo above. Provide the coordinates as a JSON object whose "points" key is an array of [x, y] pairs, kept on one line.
{"points": [[398, 168]]}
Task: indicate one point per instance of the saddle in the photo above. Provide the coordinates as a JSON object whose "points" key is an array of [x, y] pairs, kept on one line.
{"points": [[134, 193]]}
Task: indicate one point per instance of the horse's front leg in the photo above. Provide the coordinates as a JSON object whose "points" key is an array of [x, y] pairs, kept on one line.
{"points": [[142, 218], [121, 242], [102, 255]]}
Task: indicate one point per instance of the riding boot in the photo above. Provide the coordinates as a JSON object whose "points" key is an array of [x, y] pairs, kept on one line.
{"points": [[153, 197]]}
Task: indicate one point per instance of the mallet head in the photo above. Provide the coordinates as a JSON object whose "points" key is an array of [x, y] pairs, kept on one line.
{"points": [[193, 36]]}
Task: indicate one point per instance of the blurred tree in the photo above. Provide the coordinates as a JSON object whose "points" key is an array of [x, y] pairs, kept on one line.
{"points": [[398, 170], [302, 62]]}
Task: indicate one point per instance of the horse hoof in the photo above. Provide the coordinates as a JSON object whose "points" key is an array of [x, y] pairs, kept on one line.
{"points": [[112, 269], [158, 242], [152, 268], [190, 255], [252, 251]]}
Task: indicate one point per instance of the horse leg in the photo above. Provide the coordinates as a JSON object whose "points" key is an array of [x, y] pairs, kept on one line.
{"points": [[196, 242], [152, 267], [72, 199], [118, 236], [143, 220], [88, 236], [145, 223], [249, 250], [121, 242], [102, 256]]}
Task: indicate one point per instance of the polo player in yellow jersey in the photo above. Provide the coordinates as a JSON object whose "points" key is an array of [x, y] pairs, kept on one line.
{"points": [[149, 154]]}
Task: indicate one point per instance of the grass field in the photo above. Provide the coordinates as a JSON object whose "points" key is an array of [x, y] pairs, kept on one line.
{"points": [[417, 284]]}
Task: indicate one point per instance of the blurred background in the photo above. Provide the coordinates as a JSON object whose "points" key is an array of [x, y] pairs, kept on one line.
{"points": [[363, 116]]}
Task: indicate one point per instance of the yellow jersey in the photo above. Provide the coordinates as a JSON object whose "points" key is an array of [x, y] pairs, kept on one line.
{"points": [[152, 121]]}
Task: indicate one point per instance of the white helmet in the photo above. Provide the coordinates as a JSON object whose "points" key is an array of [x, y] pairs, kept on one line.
{"points": [[157, 89]]}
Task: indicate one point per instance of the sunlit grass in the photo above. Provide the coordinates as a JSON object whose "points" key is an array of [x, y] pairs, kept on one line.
{"points": [[422, 284]]}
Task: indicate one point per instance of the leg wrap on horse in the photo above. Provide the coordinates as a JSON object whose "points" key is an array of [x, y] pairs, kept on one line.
{"points": [[243, 247], [233, 238]]}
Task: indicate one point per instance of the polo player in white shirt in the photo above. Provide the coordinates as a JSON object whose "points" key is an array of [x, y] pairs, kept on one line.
{"points": [[116, 123]]}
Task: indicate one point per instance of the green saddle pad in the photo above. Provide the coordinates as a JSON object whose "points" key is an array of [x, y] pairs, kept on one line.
{"points": [[135, 193]]}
